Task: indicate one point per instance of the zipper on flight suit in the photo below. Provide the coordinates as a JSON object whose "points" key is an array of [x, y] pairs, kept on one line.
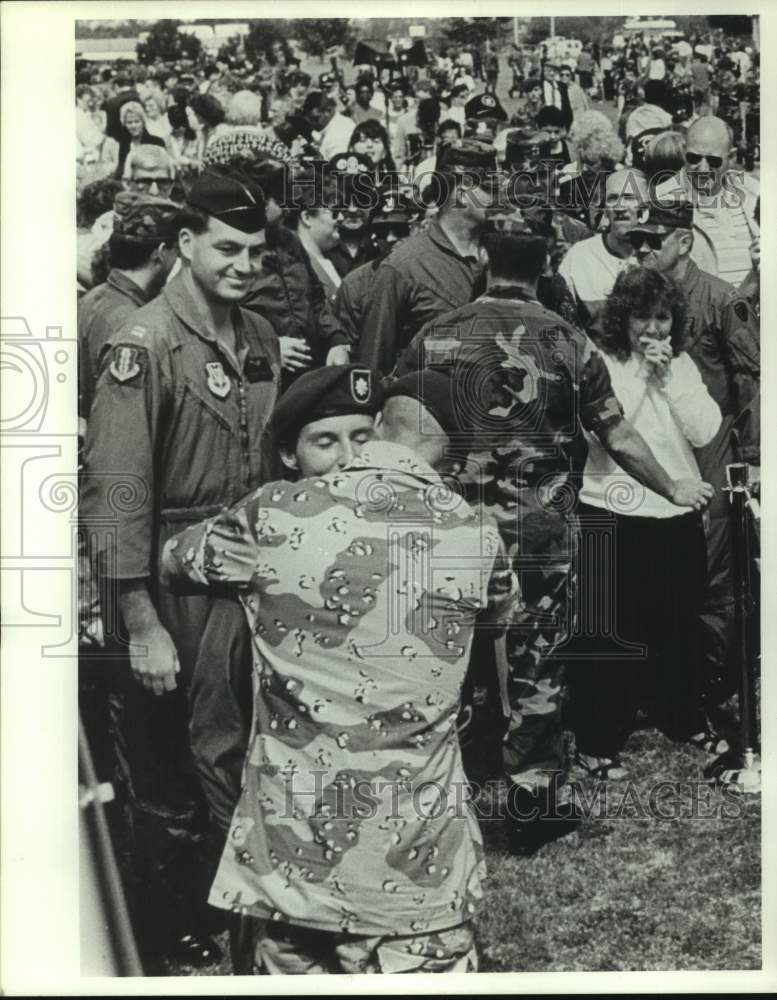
{"points": [[245, 450]]}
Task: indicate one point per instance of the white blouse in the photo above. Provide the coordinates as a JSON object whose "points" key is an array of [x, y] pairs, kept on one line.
{"points": [[673, 420]]}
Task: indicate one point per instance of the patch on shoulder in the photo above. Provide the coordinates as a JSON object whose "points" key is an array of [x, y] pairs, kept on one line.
{"points": [[128, 363], [138, 331]]}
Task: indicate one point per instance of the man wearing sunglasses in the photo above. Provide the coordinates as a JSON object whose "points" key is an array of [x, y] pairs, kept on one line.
{"points": [[723, 199], [723, 340]]}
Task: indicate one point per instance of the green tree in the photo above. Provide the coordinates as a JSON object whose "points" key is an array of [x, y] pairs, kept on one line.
{"points": [[317, 34], [263, 34], [167, 43], [473, 30]]}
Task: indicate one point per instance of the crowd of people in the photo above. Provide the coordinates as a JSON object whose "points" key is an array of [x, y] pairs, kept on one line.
{"points": [[395, 403]]}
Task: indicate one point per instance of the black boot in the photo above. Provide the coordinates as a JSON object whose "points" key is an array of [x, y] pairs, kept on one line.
{"points": [[535, 817]]}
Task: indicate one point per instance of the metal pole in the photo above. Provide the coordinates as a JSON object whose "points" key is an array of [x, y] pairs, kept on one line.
{"points": [[515, 30], [553, 27], [743, 767]]}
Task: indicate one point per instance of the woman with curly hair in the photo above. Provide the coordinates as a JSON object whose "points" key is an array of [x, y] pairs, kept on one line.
{"points": [[371, 139], [206, 117], [644, 560], [597, 152]]}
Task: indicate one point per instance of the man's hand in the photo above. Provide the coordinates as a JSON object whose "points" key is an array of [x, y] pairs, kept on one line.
{"points": [[691, 493], [338, 355], [295, 353], [153, 659], [755, 253]]}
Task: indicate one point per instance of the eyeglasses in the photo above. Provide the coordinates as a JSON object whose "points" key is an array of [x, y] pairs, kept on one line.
{"points": [[163, 184], [694, 159], [654, 240]]}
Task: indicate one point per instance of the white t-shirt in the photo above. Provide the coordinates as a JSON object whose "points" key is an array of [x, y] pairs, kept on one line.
{"points": [[590, 270], [724, 229], [673, 421], [335, 137]]}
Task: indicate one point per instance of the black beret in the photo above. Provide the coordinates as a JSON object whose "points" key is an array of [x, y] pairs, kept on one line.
{"points": [[333, 391], [236, 202], [433, 388], [675, 214], [485, 106], [394, 207]]}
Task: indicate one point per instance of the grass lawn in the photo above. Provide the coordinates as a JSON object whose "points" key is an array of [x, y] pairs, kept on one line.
{"points": [[625, 892]]}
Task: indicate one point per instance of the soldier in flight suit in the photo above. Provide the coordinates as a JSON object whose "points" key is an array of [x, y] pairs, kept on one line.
{"points": [[176, 433], [528, 384]]}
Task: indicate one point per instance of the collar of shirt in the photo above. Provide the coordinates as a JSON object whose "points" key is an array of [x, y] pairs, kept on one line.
{"points": [[118, 280], [438, 236], [185, 309], [389, 456], [691, 277]]}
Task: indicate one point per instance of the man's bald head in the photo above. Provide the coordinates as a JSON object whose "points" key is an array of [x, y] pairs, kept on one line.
{"points": [[405, 420], [707, 153], [710, 129]]}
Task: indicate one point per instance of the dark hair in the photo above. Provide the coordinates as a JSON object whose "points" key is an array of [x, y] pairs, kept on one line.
{"points": [[96, 199], [641, 291], [449, 123], [193, 219], [656, 92], [130, 254], [565, 69], [372, 129], [317, 100], [521, 258], [180, 97], [428, 112], [122, 80], [207, 108], [176, 115], [550, 115]]}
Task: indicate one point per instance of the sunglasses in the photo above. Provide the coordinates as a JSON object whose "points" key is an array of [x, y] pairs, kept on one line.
{"points": [[694, 159], [164, 185], [654, 240]]}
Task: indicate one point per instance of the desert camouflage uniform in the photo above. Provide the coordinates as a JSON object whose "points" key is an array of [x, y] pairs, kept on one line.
{"points": [[362, 589], [530, 383]]}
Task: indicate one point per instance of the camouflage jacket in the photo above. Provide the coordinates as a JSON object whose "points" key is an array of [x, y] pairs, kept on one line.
{"points": [[362, 589], [531, 383]]}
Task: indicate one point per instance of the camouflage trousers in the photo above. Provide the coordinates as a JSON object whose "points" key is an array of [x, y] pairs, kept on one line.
{"points": [[284, 949], [532, 670]]}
